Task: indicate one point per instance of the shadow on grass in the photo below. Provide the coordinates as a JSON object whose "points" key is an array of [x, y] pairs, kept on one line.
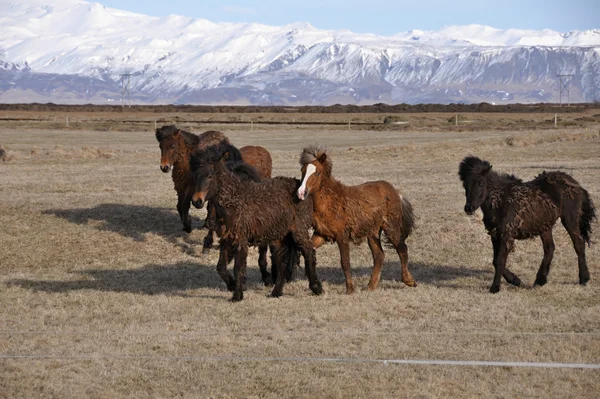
{"points": [[443, 276], [131, 221], [149, 280]]}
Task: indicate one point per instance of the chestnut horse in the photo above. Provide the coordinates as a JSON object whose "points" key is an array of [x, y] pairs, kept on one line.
{"points": [[345, 214], [176, 145], [517, 210], [254, 213]]}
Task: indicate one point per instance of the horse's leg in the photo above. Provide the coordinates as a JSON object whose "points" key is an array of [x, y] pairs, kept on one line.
{"points": [[548, 243], [572, 226], [310, 262], [240, 272], [262, 264], [378, 256], [210, 223], [402, 251], [500, 255], [509, 276], [344, 248], [183, 207], [277, 268], [224, 258]]}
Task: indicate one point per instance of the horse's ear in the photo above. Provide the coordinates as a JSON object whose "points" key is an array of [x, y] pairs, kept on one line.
{"points": [[225, 157], [177, 133], [323, 158], [486, 168]]}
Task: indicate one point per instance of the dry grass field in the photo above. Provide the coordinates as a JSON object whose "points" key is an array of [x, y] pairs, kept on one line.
{"points": [[103, 295]]}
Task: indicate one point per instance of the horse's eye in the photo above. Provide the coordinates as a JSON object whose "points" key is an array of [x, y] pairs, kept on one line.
{"points": [[317, 173], [173, 147]]}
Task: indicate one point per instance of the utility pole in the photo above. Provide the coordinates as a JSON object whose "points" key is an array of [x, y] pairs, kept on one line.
{"points": [[563, 82], [125, 80]]}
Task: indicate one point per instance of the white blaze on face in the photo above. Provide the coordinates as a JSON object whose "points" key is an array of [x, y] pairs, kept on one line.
{"points": [[310, 169]]}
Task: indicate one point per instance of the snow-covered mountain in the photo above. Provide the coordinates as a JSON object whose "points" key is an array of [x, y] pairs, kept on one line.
{"points": [[76, 51]]}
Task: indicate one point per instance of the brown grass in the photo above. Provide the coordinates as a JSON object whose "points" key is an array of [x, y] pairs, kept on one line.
{"points": [[94, 264]]}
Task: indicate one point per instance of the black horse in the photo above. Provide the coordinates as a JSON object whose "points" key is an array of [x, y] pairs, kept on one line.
{"points": [[517, 210]]}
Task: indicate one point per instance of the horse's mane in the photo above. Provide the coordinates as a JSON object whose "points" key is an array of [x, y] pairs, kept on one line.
{"points": [[214, 154], [190, 139], [313, 153], [212, 137], [472, 165]]}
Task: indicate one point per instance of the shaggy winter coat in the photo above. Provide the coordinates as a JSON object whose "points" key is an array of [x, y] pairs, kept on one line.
{"points": [[517, 210], [256, 214], [345, 214]]}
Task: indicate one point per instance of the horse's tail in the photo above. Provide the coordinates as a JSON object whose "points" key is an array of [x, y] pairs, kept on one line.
{"points": [[588, 214], [287, 254], [408, 217]]}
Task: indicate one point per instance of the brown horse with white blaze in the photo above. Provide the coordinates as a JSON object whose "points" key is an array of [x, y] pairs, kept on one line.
{"points": [[345, 214]]}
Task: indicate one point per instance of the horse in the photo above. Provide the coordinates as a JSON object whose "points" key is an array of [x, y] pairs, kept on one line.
{"points": [[517, 210], [344, 214], [176, 145], [256, 156], [254, 213], [2, 154]]}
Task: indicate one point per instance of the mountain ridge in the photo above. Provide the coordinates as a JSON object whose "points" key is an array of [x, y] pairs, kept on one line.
{"points": [[186, 60]]}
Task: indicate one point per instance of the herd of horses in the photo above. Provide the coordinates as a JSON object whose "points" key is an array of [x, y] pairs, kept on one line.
{"points": [[247, 207]]}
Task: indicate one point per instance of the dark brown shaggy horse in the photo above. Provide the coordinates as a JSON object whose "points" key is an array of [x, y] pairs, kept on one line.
{"points": [[256, 156], [254, 213], [517, 210], [345, 214], [176, 147], [2, 154]]}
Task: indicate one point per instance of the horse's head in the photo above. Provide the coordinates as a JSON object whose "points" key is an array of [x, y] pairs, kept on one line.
{"points": [[315, 166], [474, 173], [167, 137], [204, 163]]}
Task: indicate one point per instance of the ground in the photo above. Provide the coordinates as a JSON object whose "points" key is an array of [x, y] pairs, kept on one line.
{"points": [[104, 295]]}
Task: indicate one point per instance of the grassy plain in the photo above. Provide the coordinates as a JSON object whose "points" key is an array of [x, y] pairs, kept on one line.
{"points": [[103, 294]]}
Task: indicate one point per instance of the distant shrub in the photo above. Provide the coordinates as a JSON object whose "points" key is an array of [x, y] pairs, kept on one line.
{"points": [[390, 119]]}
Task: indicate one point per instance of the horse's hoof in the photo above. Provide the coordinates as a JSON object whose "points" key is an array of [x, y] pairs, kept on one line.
{"points": [[267, 281], [206, 250], [350, 290], [583, 281], [237, 296], [540, 280], [494, 289], [517, 282], [316, 288], [187, 229], [231, 286], [411, 283], [276, 294]]}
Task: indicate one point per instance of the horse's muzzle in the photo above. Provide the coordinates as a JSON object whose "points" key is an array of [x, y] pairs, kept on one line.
{"points": [[199, 204], [165, 168], [302, 194], [470, 209], [198, 200]]}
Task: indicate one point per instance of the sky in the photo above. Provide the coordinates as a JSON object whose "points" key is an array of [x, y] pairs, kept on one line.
{"points": [[382, 17]]}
